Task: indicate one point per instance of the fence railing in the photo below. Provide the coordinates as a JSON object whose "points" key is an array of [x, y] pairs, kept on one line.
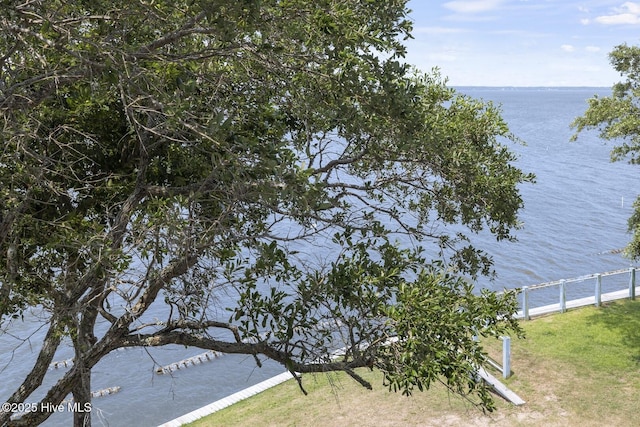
{"points": [[624, 283], [625, 287], [505, 368]]}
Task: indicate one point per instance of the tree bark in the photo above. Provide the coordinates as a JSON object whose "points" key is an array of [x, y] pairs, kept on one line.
{"points": [[83, 343], [36, 375], [82, 397]]}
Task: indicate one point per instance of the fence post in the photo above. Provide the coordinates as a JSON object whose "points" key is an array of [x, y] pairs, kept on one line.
{"points": [[632, 283], [598, 290], [525, 302], [563, 297], [506, 357]]}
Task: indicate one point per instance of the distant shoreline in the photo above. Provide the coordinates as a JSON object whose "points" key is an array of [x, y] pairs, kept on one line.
{"points": [[533, 87]]}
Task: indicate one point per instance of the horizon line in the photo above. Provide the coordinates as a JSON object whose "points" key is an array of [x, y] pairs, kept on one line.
{"points": [[533, 86]]}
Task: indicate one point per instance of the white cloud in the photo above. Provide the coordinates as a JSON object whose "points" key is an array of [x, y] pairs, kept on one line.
{"points": [[585, 21], [632, 7], [622, 18], [567, 48], [472, 6], [628, 13]]}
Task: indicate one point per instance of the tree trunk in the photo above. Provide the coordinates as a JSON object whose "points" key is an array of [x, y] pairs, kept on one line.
{"points": [[83, 344], [82, 398], [35, 377]]}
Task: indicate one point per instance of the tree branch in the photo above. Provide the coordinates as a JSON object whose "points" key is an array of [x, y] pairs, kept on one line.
{"points": [[34, 379]]}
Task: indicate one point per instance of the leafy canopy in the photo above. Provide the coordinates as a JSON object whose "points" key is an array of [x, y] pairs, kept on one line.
{"points": [[243, 171]]}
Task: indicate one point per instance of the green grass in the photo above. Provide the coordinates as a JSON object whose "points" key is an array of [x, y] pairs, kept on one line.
{"points": [[591, 339], [580, 368]]}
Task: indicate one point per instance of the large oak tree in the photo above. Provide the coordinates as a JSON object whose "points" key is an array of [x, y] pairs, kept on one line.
{"points": [[169, 152]]}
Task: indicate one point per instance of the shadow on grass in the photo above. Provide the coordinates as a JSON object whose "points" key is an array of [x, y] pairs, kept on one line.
{"points": [[624, 318]]}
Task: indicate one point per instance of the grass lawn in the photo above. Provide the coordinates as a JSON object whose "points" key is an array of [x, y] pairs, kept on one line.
{"points": [[580, 368]]}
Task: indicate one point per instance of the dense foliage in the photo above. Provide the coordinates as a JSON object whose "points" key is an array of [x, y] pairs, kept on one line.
{"points": [[267, 169], [617, 118]]}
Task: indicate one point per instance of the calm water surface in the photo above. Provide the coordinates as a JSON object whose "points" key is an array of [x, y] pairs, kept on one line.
{"points": [[574, 215], [577, 211]]}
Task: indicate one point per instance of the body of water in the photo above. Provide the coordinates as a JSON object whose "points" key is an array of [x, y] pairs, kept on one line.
{"points": [[574, 216], [576, 213]]}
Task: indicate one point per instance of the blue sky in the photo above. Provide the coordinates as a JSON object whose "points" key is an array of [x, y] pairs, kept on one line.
{"points": [[522, 42]]}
